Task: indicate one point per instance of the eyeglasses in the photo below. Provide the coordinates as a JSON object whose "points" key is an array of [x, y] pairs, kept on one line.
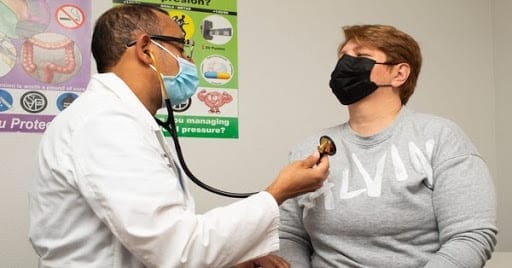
{"points": [[188, 45]]}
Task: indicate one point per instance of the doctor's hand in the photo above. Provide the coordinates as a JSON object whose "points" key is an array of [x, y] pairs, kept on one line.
{"points": [[300, 177], [269, 261]]}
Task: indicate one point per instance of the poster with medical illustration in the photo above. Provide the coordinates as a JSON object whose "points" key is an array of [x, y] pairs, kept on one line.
{"points": [[45, 60], [213, 110]]}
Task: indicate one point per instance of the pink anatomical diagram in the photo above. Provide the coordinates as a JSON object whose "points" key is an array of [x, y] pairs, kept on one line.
{"points": [[50, 57], [214, 99]]}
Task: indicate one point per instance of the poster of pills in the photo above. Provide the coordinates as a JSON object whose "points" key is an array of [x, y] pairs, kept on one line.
{"points": [[45, 60], [212, 26]]}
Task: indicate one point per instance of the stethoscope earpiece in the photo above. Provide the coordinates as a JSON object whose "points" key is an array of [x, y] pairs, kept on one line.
{"points": [[150, 54]]}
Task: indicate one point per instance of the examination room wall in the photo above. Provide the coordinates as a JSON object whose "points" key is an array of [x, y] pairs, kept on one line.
{"points": [[287, 50]]}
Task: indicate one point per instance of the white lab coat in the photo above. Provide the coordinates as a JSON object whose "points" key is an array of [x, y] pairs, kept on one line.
{"points": [[106, 195]]}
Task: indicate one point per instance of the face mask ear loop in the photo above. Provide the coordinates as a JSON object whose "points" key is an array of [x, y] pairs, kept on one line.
{"points": [[162, 87], [170, 53]]}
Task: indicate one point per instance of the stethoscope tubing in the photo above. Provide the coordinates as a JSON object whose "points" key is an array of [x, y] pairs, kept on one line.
{"points": [[170, 126]]}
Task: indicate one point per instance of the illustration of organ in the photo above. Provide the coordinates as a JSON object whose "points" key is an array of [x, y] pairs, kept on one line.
{"points": [[57, 62], [214, 99]]}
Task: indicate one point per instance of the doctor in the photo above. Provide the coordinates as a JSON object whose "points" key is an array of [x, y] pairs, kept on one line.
{"points": [[107, 194]]}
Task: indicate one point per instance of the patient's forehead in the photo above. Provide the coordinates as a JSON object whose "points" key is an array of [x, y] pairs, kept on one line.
{"points": [[353, 46]]}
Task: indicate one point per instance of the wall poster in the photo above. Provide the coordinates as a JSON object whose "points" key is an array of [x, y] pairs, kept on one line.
{"points": [[212, 24], [45, 60]]}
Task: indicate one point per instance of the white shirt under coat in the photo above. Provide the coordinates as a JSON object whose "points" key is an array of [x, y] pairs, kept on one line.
{"points": [[106, 195]]}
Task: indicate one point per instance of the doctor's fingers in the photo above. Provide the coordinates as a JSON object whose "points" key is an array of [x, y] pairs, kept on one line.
{"points": [[271, 261], [311, 160]]}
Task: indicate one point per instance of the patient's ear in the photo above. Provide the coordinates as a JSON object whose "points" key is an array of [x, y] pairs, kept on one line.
{"points": [[401, 72]]}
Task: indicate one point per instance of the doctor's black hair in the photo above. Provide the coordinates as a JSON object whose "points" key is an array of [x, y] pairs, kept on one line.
{"points": [[118, 26]]}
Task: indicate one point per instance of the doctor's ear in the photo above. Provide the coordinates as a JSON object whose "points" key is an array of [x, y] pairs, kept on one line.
{"points": [[145, 56], [143, 49]]}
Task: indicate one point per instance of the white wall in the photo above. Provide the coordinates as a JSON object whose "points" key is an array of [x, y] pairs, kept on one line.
{"points": [[287, 50], [503, 80]]}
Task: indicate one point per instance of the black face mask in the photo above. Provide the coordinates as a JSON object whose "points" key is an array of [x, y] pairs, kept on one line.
{"points": [[350, 80]]}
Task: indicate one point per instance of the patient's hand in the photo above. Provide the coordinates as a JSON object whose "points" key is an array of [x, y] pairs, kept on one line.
{"points": [[269, 261]]}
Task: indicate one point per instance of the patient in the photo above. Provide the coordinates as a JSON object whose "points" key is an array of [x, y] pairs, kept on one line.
{"points": [[405, 189]]}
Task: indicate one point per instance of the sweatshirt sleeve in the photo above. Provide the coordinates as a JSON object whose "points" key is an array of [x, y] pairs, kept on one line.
{"points": [[295, 246], [464, 201]]}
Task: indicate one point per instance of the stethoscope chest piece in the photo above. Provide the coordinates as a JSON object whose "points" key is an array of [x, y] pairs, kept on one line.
{"points": [[326, 146]]}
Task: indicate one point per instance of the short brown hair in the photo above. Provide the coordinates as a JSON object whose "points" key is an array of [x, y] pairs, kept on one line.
{"points": [[118, 26], [397, 45]]}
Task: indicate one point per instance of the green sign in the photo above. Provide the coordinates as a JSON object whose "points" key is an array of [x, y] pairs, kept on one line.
{"points": [[212, 24]]}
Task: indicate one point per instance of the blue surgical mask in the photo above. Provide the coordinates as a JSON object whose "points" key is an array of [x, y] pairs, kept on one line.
{"points": [[184, 84]]}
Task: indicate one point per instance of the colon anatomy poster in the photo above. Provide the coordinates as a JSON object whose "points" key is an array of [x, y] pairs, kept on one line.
{"points": [[45, 60], [212, 24]]}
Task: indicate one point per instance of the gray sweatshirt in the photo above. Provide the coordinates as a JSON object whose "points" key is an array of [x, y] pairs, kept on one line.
{"points": [[417, 194]]}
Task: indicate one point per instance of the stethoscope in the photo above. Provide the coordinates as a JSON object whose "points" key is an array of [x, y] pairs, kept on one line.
{"points": [[170, 126], [326, 146]]}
